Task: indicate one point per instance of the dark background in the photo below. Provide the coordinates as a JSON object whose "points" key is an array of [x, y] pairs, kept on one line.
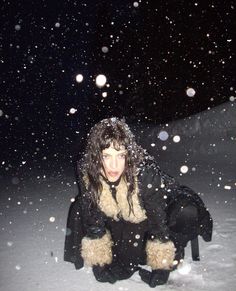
{"points": [[155, 52]]}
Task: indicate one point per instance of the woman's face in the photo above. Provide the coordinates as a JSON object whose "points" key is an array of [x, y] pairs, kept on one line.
{"points": [[114, 162]]}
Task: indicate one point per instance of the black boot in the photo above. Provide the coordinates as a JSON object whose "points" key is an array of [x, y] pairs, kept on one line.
{"points": [[179, 256]]}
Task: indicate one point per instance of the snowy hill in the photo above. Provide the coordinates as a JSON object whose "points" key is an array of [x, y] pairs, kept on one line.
{"points": [[207, 140], [33, 212]]}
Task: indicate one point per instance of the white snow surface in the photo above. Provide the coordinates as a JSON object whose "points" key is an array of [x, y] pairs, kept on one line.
{"points": [[33, 217]]}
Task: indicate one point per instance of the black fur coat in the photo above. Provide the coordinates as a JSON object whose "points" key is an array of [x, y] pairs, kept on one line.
{"points": [[107, 232]]}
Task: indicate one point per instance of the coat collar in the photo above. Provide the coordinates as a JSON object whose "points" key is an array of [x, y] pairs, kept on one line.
{"points": [[111, 184], [119, 206]]}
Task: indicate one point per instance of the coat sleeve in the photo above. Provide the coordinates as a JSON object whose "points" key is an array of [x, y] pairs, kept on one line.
{"points": [[74, 234], [87, 241], [160, 250], [96, 244], [154, 201]]}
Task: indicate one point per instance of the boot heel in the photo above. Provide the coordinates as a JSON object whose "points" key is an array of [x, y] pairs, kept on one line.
{"points": [[195, 249]]}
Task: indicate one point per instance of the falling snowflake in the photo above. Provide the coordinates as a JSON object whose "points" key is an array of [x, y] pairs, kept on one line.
{"points": [[73, 111], [190, 92], [18, 267], [176, 138], [17, 27], [105, 49], [163, 135], [101, 80], [79, 78], [184, 169], [52, 219]]}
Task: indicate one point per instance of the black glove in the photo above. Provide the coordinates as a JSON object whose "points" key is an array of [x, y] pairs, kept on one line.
{"points": [[104, 274], [79, 264], [154, 278]]}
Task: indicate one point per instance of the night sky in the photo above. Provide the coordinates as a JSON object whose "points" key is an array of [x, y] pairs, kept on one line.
{"points": [[151, 52]]}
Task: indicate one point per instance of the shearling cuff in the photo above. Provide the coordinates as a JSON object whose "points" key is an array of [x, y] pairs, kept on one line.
{"points": [[160, 255], [97, 251]]}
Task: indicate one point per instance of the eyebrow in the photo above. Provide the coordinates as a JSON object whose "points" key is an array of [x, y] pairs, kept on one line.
{"points": [[123, 152]]}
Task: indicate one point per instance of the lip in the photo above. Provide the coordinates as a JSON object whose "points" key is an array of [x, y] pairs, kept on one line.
{"points": [[113, 174]]}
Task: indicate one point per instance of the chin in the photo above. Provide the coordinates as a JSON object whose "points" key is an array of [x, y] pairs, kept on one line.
{"points": [[113, 179]]}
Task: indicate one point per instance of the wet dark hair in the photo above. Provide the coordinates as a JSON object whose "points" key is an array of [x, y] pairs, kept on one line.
{"points": [[107, 132]]}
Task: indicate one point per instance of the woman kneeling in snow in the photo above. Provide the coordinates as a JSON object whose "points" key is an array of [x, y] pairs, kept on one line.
{"points": [[128, 212]]}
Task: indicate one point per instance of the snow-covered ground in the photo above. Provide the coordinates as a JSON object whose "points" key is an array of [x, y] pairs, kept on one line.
{"points": [[33, 213]]}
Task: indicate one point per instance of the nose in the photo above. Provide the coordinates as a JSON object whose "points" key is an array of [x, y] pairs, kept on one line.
{"points": [[114, 163]]}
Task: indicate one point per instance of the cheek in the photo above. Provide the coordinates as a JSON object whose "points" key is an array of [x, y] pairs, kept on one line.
{"points": [[122, 165], [105, 163]]}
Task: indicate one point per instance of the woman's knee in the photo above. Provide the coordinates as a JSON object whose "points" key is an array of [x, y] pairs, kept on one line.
{"points": [[186, 220]]}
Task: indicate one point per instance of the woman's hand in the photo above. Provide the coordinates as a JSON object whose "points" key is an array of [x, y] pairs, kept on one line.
{"points": [[154, 278], [104, 274]]}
